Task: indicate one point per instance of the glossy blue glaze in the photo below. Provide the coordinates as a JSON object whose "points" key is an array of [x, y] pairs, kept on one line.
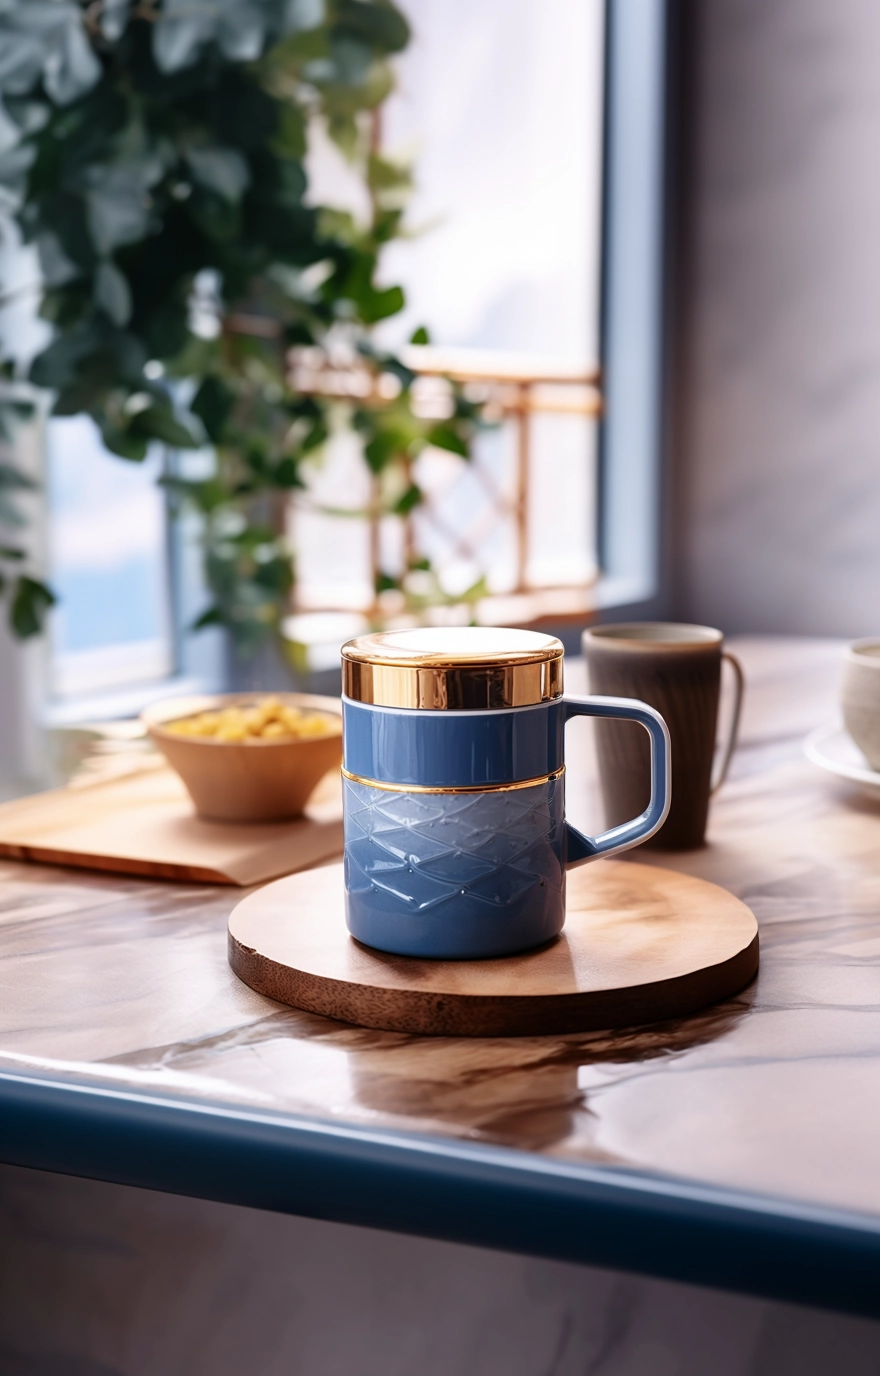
{"points": [[455, 875], [452, 749], [480, 873]]}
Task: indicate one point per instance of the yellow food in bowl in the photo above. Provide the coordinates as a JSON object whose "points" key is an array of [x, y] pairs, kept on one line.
{"points": [[267, 720]]}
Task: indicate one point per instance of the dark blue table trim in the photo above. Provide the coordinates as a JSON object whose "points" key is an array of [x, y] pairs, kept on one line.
{"points": [[441, 1188]]}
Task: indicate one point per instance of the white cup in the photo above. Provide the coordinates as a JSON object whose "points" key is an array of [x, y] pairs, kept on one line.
{"points": [[861, 697]]}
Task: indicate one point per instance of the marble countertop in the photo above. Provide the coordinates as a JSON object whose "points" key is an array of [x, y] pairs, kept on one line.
{"points": [[740, 1146]]}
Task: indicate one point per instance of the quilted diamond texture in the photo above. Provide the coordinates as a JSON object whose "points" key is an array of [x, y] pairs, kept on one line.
{"points": [[419, 852]]}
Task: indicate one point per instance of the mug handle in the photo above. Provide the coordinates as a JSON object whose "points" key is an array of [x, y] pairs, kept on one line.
{"points": [[580, 848], [720, 774]]}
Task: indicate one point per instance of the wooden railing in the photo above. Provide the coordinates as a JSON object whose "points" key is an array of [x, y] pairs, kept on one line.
{"points": [[511, 388]]}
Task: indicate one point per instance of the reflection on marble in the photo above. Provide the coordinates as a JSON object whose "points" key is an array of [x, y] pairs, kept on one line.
{"points": [[774, 1091]]}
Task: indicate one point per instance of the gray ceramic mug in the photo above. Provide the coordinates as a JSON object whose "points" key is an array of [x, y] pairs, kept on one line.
{"points": [[676, 669]]}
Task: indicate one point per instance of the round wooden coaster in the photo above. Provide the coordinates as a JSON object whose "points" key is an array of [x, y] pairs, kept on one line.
{"points": [[640, 945]]}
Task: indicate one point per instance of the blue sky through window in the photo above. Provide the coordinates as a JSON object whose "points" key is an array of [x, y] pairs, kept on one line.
{"points": [[107, 541]]}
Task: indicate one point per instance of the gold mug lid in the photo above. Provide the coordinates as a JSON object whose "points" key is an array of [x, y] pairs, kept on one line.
{"points": [[449, 668]]}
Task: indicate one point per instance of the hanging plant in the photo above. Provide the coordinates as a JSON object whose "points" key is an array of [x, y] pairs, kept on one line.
{"points": [[154, 153]]}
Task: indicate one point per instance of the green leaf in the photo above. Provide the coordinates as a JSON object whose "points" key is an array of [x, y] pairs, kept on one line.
{"points": [[412, 497], [75, 68], [420, 336], [208, 497], [213, 404], [178, 41], [385, 174], [21, 57], [114, 17], [290, 137], [238, 27], [41, 40], [351, 59], [30, 602], [386, 225], [123, 443], [212, 617], [380, 450], [276, 575], [112, 293], [314, 438], [118, 203], [286, 475], [444, 436], [242, 30], [222, 170], [338, 224], [57, 365], [378, 22], [14, 167], [303, 14], [30, 115], [379, 305], [476, 592], [160, 423], [56, 266], [387, 363]]}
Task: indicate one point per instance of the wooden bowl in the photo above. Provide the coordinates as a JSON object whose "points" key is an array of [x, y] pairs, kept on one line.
{"points": [[257, 781]]}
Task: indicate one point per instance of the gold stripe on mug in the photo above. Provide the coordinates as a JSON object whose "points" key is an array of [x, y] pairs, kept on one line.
{"points": [[457, 788]]}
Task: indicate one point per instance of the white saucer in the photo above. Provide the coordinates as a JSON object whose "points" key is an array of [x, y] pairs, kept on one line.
{"points": [[832, 749]]}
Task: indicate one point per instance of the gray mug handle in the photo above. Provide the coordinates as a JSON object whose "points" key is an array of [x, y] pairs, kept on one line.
{"points": [[720, 772], [580, 848]]}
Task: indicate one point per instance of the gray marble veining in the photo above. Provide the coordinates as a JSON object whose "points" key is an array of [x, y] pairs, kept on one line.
{"points": [[127, 981]]}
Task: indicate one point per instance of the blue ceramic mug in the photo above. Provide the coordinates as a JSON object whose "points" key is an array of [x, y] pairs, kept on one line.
{"points": [[456, 843]]}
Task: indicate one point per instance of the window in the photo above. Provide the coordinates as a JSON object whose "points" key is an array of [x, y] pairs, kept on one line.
{"points": [[108, 546], [500, 104], [536, 128], [129, 581]]}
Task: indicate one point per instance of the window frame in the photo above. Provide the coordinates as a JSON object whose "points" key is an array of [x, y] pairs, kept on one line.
{"points": [[631, 445]]}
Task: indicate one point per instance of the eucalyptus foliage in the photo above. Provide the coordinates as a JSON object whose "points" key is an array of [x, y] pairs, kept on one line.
{"points": [[153, 151], [28, 597]]}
